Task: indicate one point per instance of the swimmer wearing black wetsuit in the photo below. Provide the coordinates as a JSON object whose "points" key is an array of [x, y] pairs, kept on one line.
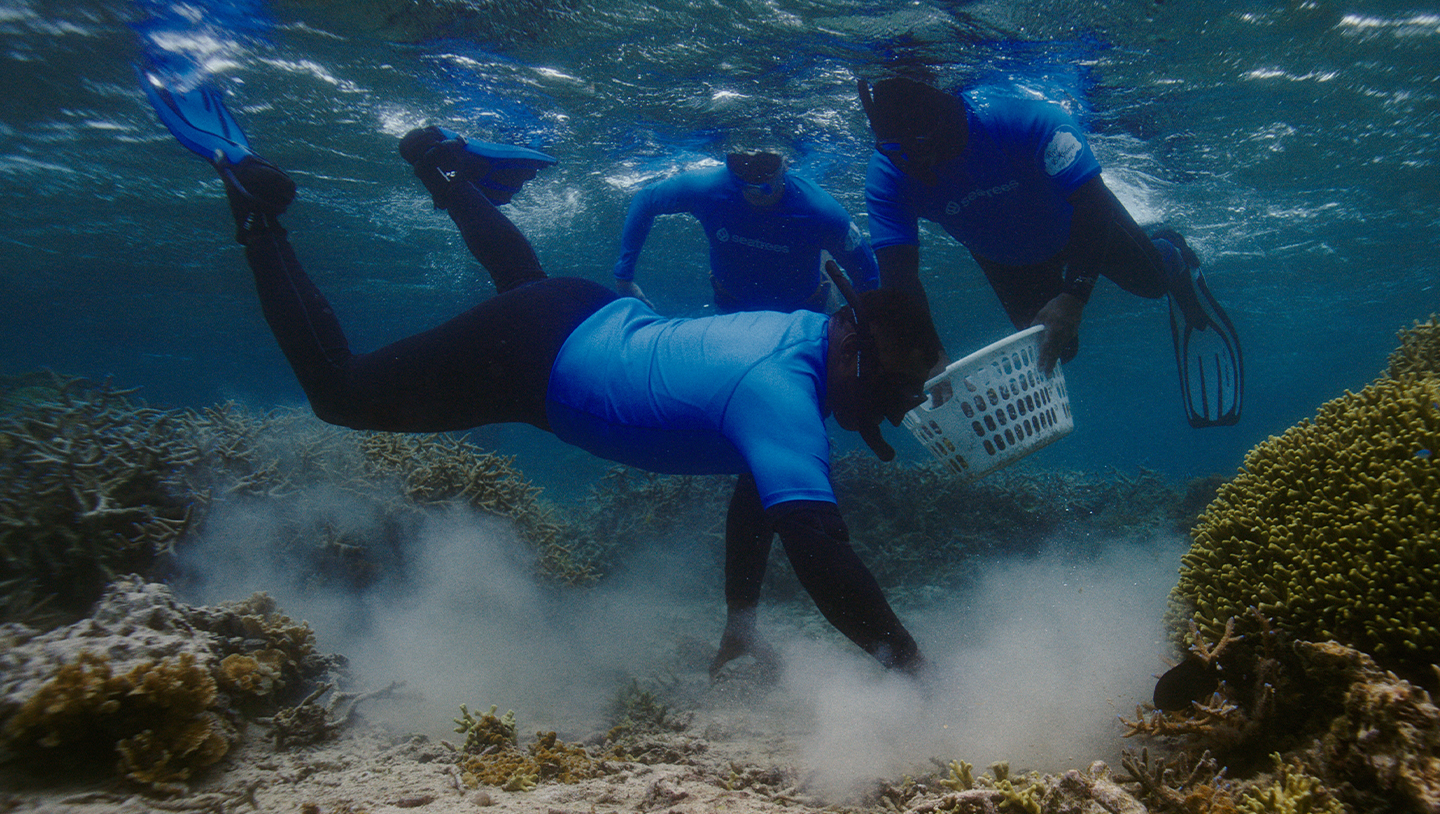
{"points": [[744, 393]]}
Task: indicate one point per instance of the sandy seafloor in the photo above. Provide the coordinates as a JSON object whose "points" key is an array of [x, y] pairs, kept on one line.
{"points": [[1056, 653], [741, 750], [371, 769]]}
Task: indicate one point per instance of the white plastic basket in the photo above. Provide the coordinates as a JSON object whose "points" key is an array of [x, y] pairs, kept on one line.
{"points": [[1002, 408]]}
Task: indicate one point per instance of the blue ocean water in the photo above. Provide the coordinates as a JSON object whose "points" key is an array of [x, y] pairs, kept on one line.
{"points": [[1295, 143]]}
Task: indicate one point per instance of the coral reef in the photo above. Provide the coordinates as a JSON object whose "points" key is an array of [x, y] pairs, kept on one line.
{"points": [[157, 714], [311, 722], [637, 711], [150, 680], [94, 484], [1313, 575], [960, 791], [87, 490], [1388, 738], [1338, 730], [1331, 530], [1419, 350], [490, 755], [443, 470], [629, 507], [917, 526]]}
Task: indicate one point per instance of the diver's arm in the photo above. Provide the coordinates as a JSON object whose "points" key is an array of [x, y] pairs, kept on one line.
{"points": [[900, 269], [818, 546], [638, 222], [852, 251]]}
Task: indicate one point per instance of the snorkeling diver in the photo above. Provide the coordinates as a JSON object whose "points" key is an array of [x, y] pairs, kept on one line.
{"points": [[739, 393], [1012, 178], [768, 231]]}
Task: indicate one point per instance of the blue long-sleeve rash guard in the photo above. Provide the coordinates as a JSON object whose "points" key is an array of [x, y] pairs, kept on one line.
{"points": [[759, 255], [1004, 197], [729, 394]]}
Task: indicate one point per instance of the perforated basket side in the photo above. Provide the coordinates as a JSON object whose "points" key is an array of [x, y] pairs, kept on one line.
{"points": [[1002, 408]]}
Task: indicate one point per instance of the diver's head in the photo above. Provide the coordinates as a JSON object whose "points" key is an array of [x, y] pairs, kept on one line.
{"points": [[917, 126], [761, 174], [878, 367]]}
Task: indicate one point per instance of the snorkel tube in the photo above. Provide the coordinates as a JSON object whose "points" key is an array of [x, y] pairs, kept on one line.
{"points": [[868, 431]]}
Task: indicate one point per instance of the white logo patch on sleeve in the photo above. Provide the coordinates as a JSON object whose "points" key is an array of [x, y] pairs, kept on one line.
{"points": [[1061, 152]]}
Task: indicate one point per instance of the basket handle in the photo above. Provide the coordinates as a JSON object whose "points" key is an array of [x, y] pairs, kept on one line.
{"points": [[990, 348]]}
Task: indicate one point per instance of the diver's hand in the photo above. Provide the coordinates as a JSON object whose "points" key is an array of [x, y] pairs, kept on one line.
{"points": [[629, 288], [941, 392], [1061, 318], [742, 639]]}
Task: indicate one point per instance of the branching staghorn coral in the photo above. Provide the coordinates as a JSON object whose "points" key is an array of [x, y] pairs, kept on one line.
{"points": [[94, 484], [1293, 791], [996, 791], [87, 490], [1179, 784]]}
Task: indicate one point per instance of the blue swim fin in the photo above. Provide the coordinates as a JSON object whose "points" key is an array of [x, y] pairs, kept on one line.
{"points": [[507, 167], [197, 118], [504, 154]]}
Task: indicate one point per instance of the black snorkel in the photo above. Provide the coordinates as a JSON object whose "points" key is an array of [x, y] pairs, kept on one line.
{"points": [[869, 431]]}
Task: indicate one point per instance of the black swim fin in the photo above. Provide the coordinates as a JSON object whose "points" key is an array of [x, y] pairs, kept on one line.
{"points": [[197, 118], [1207, 355]]}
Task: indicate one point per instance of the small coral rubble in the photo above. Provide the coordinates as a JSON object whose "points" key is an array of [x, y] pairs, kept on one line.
{"points": [[143, 678], [490, 755]]}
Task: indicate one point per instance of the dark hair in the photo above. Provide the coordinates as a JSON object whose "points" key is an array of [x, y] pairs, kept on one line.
{"points": [[903, 108], [901, 321]]}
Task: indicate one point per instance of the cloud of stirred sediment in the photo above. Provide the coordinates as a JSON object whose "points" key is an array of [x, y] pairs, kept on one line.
{"points": [[1032, 666], [1032, 663], [463, 618]]}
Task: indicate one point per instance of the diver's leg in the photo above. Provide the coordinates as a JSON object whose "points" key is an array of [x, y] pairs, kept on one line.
{"points": [[493, 240], [452, 175], [490, 364], [1022, 290], [748, 536], [1106, 240], [1025, 290]]}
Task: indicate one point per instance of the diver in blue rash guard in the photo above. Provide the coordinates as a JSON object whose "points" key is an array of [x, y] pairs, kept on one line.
{"points": [[1012, 178], [766, 228], [743, 393]]}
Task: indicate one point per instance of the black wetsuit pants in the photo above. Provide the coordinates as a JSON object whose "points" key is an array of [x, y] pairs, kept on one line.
{"points": [[491, 364], [1104, 241], [488, 365]]}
